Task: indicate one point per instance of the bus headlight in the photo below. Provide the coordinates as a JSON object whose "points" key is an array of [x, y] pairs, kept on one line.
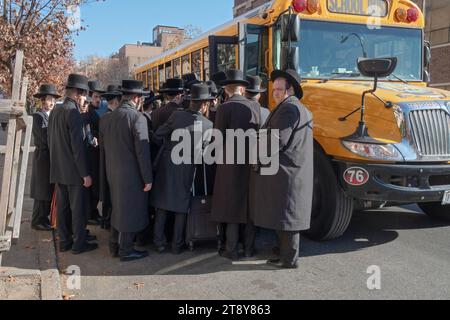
{"points": [[384, 152]]}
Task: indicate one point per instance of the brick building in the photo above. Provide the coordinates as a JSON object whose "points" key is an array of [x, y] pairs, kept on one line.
{"points": [[133, 55], [166, 36], [437, 32]]}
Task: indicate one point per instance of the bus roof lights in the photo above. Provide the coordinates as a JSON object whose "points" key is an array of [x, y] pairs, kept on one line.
{"points": [[401, 15], [300, 5], [309, 6], [412, 15], [313, 6]]}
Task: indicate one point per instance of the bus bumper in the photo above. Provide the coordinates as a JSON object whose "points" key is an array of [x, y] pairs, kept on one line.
{"points": [[398, 183]]}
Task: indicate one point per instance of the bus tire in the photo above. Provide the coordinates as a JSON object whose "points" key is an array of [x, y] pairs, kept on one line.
{"points": [[436, 210], [332, 209]]}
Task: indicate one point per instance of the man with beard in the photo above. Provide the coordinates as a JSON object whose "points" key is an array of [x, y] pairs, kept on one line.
{"points": [[283, 201]]}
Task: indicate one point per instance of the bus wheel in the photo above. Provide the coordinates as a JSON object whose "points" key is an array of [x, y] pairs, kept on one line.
{"points": [[332, 209], [436, 210]]}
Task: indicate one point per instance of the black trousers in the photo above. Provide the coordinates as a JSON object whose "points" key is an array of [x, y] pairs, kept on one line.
{"points": [[159, 238], [289, 243], [122, 240], [72, 205], [232, 237], [41, 212]]}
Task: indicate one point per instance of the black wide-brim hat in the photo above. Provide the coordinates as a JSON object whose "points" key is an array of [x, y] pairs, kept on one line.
{"points": [[47, 90], [294, 79], [77, 81], [200, 92], [133, 87], [254, 85], [94, 86], [112, 92], [234, 77], [174, 85]]}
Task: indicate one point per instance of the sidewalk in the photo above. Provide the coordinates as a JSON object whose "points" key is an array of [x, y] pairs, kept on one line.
{"points": [[29, 270]]}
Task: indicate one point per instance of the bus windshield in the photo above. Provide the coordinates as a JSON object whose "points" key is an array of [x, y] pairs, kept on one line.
{"points": [[330, 50]]}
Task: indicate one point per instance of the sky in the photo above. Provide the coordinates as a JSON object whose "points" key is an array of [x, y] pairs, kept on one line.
{"points": [[113, 23]]}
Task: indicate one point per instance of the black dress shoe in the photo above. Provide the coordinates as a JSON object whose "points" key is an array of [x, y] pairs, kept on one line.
{"points": [[65, 247], [135, 255], [93, 222], [42, 227], [162, 250], [177, 251], [90, 238], [87, 247], [233, 256], [277, 263]]}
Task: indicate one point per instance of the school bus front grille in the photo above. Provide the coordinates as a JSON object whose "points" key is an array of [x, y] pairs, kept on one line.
{"points": [[431, 131]]}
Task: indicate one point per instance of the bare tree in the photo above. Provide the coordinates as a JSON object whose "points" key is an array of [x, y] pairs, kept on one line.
{"points": [[42, 29], [190, 32]]}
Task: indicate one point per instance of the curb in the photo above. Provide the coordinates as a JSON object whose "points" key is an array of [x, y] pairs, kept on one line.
{"points": [[50, 277]]}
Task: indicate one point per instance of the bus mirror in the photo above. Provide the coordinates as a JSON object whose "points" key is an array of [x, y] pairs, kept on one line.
{"points": [[427, 55], [290, 28], [377, 68], [290, 58]]}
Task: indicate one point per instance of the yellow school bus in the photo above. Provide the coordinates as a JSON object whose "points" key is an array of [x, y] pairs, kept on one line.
{"points": [[403, 154]]}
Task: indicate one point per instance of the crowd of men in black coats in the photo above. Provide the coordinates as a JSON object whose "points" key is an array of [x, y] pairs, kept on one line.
{"points": [[122, 156]]}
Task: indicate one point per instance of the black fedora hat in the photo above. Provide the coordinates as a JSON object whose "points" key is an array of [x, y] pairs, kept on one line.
{"points": [[112, 92], [234, 77], [218, 77], [47, 90], [200, 92], [77, 81], [174, 85], [94, 86], [212, 88], [255, 85], [133, 87], [292, 77], [151, 98]]}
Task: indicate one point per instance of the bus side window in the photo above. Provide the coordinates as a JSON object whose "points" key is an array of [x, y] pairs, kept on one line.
{"points": [[206, 73]]}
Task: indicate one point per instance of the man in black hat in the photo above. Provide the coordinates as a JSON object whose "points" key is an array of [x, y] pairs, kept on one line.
{"points": [[214, 103], [172, 92], [94, 115], [282, 202], [113, 96], [253, 93], [231, 185], [129, 171], [173, 183], [41, 188], [69, 167]]}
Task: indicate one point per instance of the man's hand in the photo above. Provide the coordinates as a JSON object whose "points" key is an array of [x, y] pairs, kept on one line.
{"points": [[87, 182], [147, 187]]}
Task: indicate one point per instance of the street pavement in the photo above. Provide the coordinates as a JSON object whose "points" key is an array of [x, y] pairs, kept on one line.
{"points": [[411, 252]]}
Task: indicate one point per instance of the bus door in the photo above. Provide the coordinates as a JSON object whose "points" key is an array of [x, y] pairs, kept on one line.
{"points": [[254, 53]]}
